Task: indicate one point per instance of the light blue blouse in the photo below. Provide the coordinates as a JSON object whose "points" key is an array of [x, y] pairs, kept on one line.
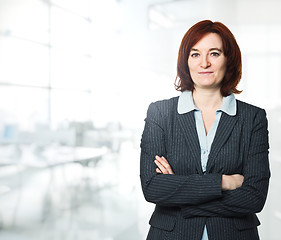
{"points": [[185, 105]]}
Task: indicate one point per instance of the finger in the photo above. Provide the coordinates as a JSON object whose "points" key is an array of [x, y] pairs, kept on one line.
{"points": [[165, 163], [159, 159], [161, 167], [239, 177], [163, 158], [158, 170]]}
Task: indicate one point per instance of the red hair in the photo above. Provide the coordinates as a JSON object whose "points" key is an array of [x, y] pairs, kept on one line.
{"points": [[231, 51]]}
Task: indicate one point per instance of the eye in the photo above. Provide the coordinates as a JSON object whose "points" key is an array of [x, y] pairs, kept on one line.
{"points": [[194, 55], [215, 54]]}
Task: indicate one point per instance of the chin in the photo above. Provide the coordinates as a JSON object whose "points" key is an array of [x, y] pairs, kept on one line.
{"points": [[208, 86]]}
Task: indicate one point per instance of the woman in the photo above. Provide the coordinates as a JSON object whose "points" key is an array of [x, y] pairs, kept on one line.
{"points": [[204, 154]]}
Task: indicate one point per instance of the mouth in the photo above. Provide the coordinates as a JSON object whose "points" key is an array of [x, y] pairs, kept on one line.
{"points": [[205, 73]]}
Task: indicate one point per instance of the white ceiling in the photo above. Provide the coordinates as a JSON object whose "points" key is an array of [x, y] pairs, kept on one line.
{"points": [[167, 14]]}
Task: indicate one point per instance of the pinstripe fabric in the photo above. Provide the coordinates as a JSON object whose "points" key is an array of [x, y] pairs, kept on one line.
{"points": [[188, 200]]}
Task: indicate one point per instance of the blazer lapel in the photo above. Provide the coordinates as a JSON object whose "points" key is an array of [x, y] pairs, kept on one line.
{"points": [[224, 129], [188, 125]]}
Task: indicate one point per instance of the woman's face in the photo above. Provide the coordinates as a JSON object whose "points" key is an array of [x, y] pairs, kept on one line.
{"points": [[207, 63]]}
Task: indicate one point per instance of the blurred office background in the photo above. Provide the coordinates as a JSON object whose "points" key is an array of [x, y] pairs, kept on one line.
{"points": [[76, 78]]}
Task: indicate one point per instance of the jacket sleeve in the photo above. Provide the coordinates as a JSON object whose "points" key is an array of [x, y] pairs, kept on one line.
{"points": [[251, 196], [169, 189]]}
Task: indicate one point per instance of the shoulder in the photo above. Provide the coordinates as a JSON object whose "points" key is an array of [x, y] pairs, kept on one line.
{"points": [[249, 111], [165, 106], [244, 107]]}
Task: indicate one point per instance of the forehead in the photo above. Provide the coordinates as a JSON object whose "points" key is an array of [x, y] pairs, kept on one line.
{"points": [[210, 40]]}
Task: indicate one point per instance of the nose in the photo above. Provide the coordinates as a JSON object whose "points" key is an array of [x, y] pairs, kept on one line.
{"points": [[205, 63]]}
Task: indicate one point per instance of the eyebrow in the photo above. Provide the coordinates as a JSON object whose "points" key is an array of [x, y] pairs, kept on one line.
{"points": [[211, 49]]}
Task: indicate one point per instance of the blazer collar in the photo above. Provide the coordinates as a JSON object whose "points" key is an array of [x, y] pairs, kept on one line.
{"points": [[188, 126], [225, 128], [186, 104], [187, 122]]}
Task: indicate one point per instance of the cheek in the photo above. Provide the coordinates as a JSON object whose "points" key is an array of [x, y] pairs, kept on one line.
{"points": [[222, 69], [192, 68], [192, 74]]}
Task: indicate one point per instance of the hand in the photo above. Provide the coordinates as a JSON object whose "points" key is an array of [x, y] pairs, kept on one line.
{"points": [[163, 165], [231, 182]]}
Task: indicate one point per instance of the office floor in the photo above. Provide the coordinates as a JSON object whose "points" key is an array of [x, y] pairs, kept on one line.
{"points": [[75, 202]]}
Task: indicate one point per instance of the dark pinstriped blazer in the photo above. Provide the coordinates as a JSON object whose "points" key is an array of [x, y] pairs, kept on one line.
{"points": [[188, 200]]}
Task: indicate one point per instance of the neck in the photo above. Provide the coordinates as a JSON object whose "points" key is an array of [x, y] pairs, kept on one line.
{"points": [[206, 99]]}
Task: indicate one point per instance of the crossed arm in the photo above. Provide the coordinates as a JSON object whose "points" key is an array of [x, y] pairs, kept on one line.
{"points": [[229, 182], [210, 194]]}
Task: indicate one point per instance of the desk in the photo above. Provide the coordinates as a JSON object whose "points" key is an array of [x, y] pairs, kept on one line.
{"points": [[58, 192], [54, 156], [49, 156]]}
